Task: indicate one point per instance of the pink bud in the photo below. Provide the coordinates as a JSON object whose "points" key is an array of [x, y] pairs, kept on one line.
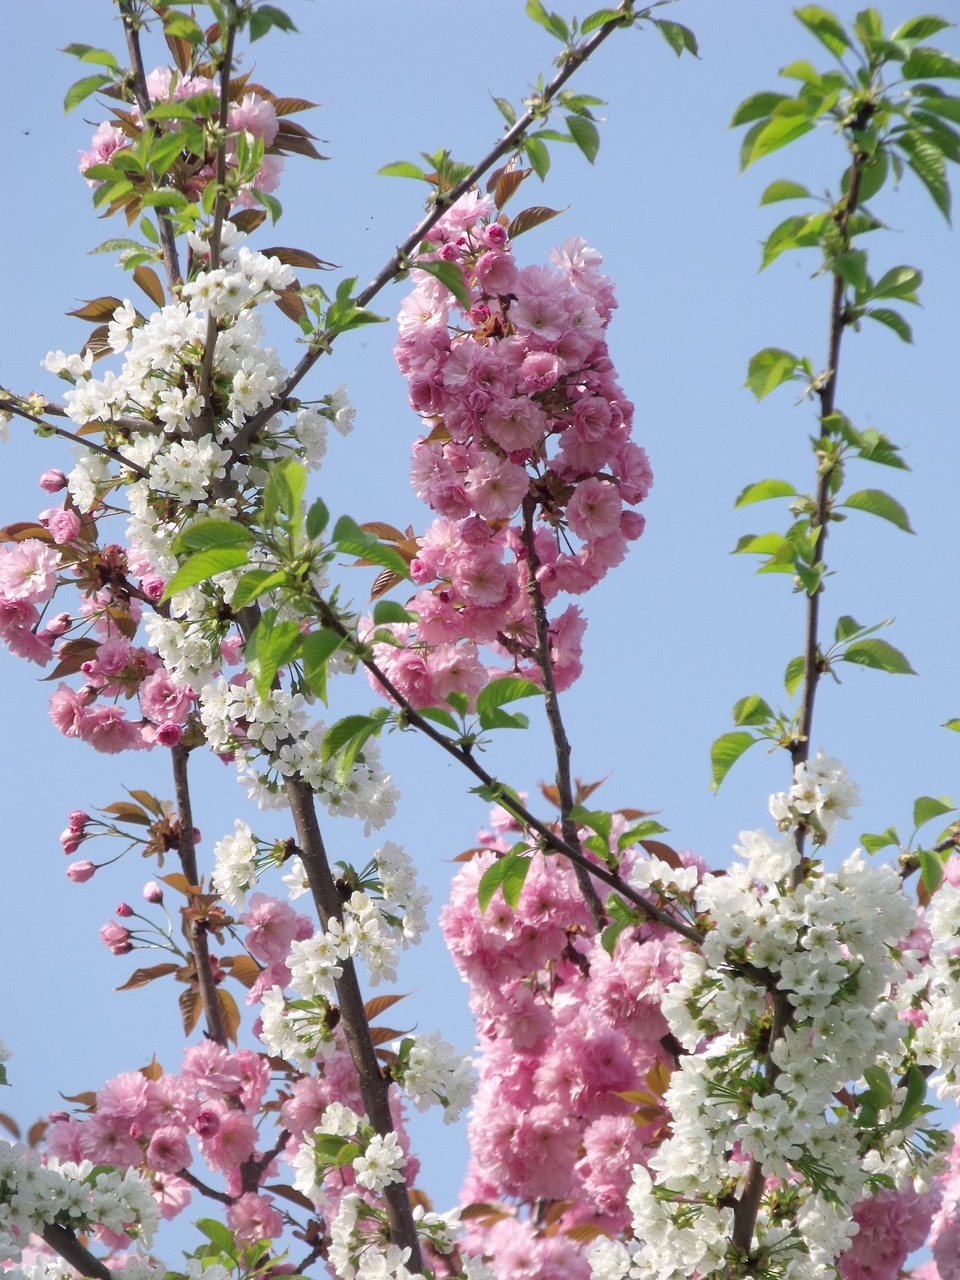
{"points": [[152, 892], [79, 872], [53, 481], [115, 935], [78, 820], [124, 910], [153, 586], [207, 1123], [168, 735], [70, 841], [58, 625]]}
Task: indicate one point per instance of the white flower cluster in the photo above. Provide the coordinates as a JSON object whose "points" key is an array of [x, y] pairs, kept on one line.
{"points": [[235, 870], [937, 1042], [34, 1195], [316, 963], [822, 964], [298, 1032], [355, 1254], [276, 730], [434, 1072], [822, 793]]}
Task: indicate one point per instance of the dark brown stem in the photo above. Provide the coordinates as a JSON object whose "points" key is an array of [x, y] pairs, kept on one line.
{"points": [[561, 743], [71, 1250], [11, 406], [210, 1192], [195, 929], [549, 837], [374, 1089], [219, 213], [168, 241], [401, 259]]}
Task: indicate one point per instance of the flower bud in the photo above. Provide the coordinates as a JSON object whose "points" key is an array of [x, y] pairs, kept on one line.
{"points": [[124, 910], [152, 892], [81, 871], [53, 481]]}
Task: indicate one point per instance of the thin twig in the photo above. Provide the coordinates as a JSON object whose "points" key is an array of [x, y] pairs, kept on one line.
{"points": [[11, 406]]}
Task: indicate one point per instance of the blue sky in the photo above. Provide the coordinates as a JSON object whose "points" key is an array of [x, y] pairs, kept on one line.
{"points": [[680, 631]]}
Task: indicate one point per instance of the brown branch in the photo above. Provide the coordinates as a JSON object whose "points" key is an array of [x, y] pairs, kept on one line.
{"points": [[561, 743], [11, 406], [549, 837], [374, 1088], [71, 1250], [210, 1192], [401, 259], [131, 29], [195, 929]]}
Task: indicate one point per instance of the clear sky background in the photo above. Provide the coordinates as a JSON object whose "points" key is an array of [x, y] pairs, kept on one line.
{"points": [[678, 633]]}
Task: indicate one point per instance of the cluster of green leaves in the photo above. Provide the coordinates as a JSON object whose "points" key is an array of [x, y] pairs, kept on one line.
{"points": [[245, 1261], [930, 857]]}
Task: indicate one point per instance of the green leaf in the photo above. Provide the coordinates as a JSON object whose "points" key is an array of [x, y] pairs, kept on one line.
{"points": [[930, 64], [450, 275], [764, 489], [333, 1149], [599, 18], [87, 53], [757, 107], [952, 724], [825, 27], [385, 611], [783, 189], [880, 1086], [642, 831], [506, 110], [926, 808], [505, 689], [874, 843], [873, 174], [768, 369], [538, 155], [439, 716], [852, 268], [878, 503], [83, 89], [725, 752], [597, 820], [752, 710], [343, 732], [919, 28], [585, 134], [459, 701], [680, 38], [507, 873], [205, 565], [212, 531], [777, 133], [318, 647], [219, 1235], [284, 490], [931, 869], [266, 16], [254, 584], [880, 655], [926, 161], [401, 169], [374, 552], [318, 517], [272, 645], [893, 320], [551, 22], [898, 282], [793, 675], [497, 719]]}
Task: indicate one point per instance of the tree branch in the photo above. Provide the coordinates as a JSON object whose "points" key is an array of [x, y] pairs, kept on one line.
{"points": [[71, 1250]]}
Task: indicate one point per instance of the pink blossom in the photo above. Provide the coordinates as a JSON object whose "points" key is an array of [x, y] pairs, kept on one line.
{"points": [[256, 116], [152, 892], [272, 926], [892, 1225], [66, 710], [254, 1218], [496, 487], [28, 571], [80, 872], [594, 510], [232, 1143], [62, 523], [108, 730], [169, 1151], [116, 937]]}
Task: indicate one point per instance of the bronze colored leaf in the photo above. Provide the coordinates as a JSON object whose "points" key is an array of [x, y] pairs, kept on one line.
{"points": [[23, 530], [633, 815], [244, 968], [181, 50], [483, 1211], [10, 1125], [153, 1070], [530, 218], [36, 1132], [298, 258], [140, 977], [550, 793], [584, 1232], [87, 1099], [287, 106], [148, 801], [149, 282], [507, 185], [380, 529], [419, 1200], [657, 849], [72, 659], [469, 854], [176, 880], [98, 345], [248, 219], [229, 1013], [127, 812], [658, 1078], [439, 435], [385, 581], [291, 304], [383, 1035], [586, 789], [97, 309], [291, 1194], [380, 1004], [191, 1005]]}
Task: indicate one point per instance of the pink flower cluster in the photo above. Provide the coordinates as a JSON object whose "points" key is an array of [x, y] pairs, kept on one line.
{"points": [[525, 418], [253, 114], [164, 1124], [569, 1041]]}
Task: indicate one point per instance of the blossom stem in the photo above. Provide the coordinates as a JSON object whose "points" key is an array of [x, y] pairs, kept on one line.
{"points": [[561, 743]]}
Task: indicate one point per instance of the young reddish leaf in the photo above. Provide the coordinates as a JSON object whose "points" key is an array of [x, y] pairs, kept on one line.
{"points": [[149, 282], [229, 1014], [527, 219], [97, 309], [191, 1005], [297, 258], [379, 1004], [140, 977]]}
